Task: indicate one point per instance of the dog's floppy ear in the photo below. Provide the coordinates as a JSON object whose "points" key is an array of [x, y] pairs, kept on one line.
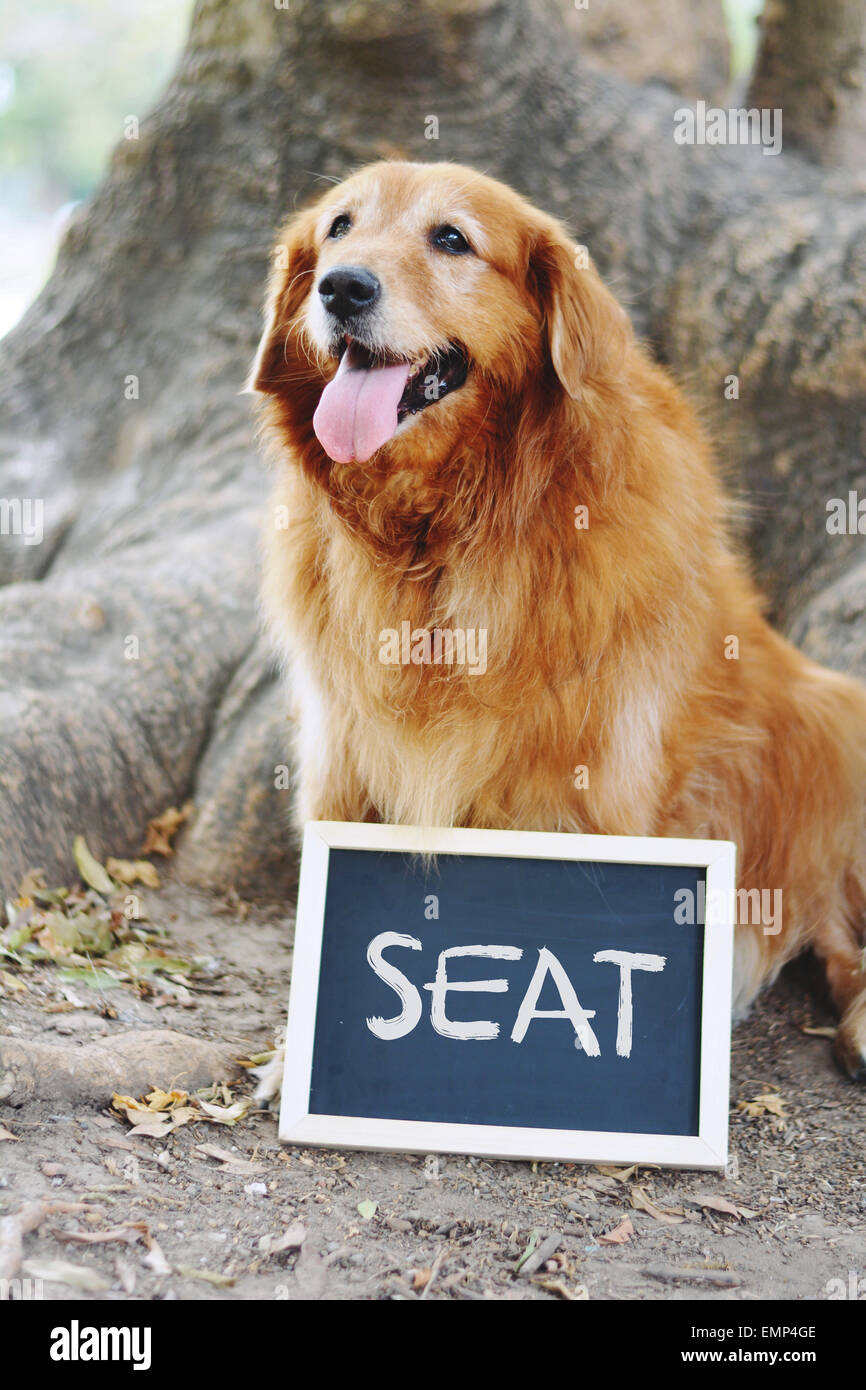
{"points": [[587, 331], [294, 262]]}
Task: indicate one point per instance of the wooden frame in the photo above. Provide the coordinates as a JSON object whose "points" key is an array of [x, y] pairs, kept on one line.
{"points": [[707, 1149]]}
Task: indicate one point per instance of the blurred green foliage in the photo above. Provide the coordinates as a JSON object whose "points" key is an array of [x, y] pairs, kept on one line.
{"points": [[70, 70], [741, 16]]}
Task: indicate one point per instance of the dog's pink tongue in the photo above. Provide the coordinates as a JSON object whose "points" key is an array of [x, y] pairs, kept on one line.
{"points": [[357, 412]]}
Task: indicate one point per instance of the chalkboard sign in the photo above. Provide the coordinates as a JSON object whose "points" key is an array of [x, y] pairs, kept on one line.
{"points": [[511, 994]]}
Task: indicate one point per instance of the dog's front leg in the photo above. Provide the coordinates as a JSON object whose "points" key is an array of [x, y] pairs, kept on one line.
{"points": [[330, 792], [845, 965], [329, 786]]}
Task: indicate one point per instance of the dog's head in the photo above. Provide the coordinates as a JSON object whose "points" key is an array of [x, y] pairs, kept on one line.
{"points": [[411, 297]]}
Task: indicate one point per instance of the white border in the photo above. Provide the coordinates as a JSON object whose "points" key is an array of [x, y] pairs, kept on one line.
{"points": [[706, 1150]]}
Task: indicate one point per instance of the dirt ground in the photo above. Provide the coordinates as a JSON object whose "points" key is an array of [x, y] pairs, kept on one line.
{"points": [[186, 1224]]}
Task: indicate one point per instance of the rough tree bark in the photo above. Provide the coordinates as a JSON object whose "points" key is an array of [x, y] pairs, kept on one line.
{"points": [[683, 45], [132, 674], [812, 64]]}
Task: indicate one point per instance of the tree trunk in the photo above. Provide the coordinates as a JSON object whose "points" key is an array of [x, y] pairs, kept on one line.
{"points": [[812, 64], [132, 675], [634, 41]]}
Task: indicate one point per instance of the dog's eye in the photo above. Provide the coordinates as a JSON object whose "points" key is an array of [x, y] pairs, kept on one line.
{"points": [[340, 225], [449, 239]]}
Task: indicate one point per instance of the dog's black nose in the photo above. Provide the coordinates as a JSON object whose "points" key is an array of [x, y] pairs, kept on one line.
{"points": [[347, 290]]}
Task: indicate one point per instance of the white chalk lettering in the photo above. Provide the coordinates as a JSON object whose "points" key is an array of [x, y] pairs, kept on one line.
{"points": [[404, 1022], [548, 964], [627, 962], [479, 1029]]}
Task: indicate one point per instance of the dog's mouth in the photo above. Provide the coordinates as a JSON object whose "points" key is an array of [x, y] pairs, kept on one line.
{"points": [[374, 391]]}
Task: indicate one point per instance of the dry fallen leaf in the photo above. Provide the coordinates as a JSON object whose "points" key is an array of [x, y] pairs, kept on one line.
{"points": [[90, 868], [128, 1234], [32, 883], [131, 871], [766, 1104], [641, 1202], [711, 1203], [421, 1278], [210, 1276], [140, 1116], [13, 1229], [578, 1294], [226, 1115], [110, 1141], [162, 830], [157, 1115], [228, 1159], [623, 1233], [7, 1134], [158, 1099], [11, 984], [155, 1260], [258, 1059], [600, 1184], [157, 1127], [291, 1239], [618, 1174], [92, 941], [367, 1210], [60, 1272]]}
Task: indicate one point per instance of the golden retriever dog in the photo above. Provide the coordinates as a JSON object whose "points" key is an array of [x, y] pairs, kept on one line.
{"points": [[500, 571]]}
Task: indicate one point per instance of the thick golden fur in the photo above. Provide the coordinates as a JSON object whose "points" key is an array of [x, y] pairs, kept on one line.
{"points": [[608, 647]]}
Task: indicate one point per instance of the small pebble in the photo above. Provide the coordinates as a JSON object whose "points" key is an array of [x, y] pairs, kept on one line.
{"points": [[395, 1223]]}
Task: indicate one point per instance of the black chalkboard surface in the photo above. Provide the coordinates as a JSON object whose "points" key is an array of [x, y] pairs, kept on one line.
{"points": [[522, 994]]}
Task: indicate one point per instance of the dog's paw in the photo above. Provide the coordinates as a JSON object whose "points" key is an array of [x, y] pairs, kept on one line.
{"points": [[270, 1078], [850, 1044]]}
